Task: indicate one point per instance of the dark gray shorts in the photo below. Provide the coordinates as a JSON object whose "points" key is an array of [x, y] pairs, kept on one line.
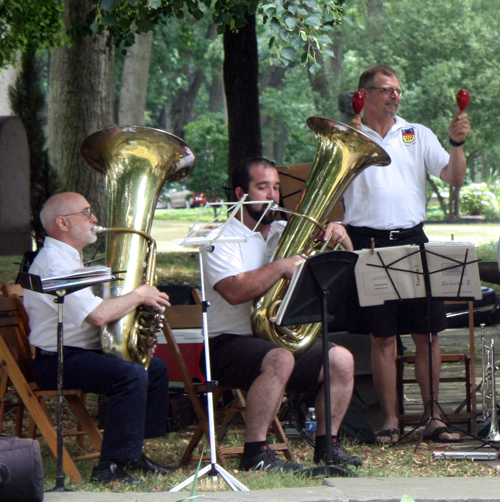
{"points": [[236, 361], [395, 317]]}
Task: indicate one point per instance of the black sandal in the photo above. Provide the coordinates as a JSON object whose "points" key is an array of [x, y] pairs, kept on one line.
{"points": [[387, 433]]}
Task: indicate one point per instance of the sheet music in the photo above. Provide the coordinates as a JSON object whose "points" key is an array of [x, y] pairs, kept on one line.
{"points": [[291, 287], [376, 285], [75, 277], [453, 272]]}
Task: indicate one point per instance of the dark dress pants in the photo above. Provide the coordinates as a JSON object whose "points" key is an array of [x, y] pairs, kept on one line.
{"points": [[138, 398]]}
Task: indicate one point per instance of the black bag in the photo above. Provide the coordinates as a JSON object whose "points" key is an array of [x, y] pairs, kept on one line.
{"points": [[486, 311], [180, 413], [355, 426], [21, 471]]}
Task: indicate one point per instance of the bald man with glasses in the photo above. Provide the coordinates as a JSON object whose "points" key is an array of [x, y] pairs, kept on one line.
{"points": [[388, 204], [138, 397]]}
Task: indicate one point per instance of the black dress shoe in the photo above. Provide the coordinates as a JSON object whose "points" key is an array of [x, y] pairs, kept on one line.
{"points": [[145, 465], [107, 472]]}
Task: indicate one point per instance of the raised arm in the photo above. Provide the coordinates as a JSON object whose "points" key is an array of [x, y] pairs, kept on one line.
{"points": [[454, 172]]}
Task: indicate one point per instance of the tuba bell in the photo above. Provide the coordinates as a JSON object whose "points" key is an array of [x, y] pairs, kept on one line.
{"points": [[136, 162], [342, 153]]}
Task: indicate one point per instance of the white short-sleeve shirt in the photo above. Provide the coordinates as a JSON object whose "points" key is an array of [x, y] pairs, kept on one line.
{"points": [[56, 256], [230, 259], [393, 196]]}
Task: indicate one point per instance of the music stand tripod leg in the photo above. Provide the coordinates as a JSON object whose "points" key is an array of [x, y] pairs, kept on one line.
{"points": [[60, 294], [213, 469]]}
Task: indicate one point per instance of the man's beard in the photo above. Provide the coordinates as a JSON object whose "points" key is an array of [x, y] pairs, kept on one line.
{"points": [[390, 113], [256, 214]]}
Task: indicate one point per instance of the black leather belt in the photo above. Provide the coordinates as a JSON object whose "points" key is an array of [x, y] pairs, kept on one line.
{"points": [[396, 234]]}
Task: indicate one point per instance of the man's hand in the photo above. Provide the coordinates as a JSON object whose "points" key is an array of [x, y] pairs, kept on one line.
{"points": [[356, 124], [338, 235], [459, 128], [290, 265], [152, 297]]}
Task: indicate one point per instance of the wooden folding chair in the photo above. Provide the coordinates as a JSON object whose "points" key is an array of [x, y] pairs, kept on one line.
{"points": [[9, 289], [190, 317], [16, 361], [469, 416]]}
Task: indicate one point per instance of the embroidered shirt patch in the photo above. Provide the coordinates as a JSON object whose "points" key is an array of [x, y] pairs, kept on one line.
{"points": [[408, 135]]}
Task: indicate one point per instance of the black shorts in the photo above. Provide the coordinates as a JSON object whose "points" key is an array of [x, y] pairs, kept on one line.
{"points": [[395, 317], [236, 362]]}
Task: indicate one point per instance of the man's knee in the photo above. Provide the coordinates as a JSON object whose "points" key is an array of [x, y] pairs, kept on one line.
{"points": [[278, 362], [341, 362], [381, 344]]}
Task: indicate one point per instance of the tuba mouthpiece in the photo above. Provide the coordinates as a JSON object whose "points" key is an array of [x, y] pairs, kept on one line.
{"points": [[98, 229]]}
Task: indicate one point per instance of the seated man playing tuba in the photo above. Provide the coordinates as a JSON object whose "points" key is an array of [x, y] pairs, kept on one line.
{"points": [[138, 397], [236, 274]]}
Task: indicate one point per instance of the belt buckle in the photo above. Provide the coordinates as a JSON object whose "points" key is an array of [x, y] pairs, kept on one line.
{"points": [[393, 235]]}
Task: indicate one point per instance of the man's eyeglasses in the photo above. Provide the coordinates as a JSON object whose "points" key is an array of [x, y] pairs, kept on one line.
{"points": [[390, 90], [87, 212]]}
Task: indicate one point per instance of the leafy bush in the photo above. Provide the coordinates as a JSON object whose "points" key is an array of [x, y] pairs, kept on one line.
{"points": [[477, 199]]}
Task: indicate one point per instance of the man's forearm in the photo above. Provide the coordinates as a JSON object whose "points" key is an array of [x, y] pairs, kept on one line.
{"points": [[454, 172], [247, 286], [112, 309]]}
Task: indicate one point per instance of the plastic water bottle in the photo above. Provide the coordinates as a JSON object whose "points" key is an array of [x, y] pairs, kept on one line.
{"points": [[311, 424]]}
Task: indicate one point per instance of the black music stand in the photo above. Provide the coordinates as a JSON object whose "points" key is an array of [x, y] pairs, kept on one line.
{"points": [[429, 298], [316, 298], [34, 283]]}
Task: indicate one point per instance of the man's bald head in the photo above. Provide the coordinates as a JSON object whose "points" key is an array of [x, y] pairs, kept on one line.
{"points": [[58, 205]]}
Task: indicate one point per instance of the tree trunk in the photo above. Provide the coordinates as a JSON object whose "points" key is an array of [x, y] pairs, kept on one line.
{"points": [[181, 112], [7, 78], [323, 92], [134, 84], [80, 103], [216, 100], [241, 73]]}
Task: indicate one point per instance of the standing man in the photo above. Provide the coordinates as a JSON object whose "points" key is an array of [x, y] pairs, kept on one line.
{"points": [[236, 274], [388, 204], [138, 397]]}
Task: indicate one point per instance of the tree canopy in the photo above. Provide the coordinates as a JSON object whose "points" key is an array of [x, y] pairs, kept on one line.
{"points": [[300, 28], [34, 23]]}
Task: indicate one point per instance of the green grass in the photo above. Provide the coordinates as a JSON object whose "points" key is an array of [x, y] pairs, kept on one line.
{"points": [[398, 461], [185, 214]]}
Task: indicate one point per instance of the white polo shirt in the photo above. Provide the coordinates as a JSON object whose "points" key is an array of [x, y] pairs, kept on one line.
{"points": [[393, 196], [56, 256], [227, 260]]}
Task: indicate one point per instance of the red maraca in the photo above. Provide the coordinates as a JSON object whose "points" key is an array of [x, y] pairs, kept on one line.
{"points": [[358, 102], [462, 99]]}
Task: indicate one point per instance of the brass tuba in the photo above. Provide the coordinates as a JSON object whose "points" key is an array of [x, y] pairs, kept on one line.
{"points": [[137, 162], [342, 153]]}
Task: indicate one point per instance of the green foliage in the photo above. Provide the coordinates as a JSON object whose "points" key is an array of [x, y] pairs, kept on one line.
{"points": [[477, 199], [299, 26], [437, 49], [405, 498], [207, 136], [35, 22]]}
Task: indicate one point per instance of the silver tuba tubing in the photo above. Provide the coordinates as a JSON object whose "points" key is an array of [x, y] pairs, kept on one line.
{"points": [[489, 387]]}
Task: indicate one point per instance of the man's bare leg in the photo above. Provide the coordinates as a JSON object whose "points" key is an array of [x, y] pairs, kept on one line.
{"points": [[266, 393], [384, 378], [422, 376], [341, 368], [341, 386]]}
